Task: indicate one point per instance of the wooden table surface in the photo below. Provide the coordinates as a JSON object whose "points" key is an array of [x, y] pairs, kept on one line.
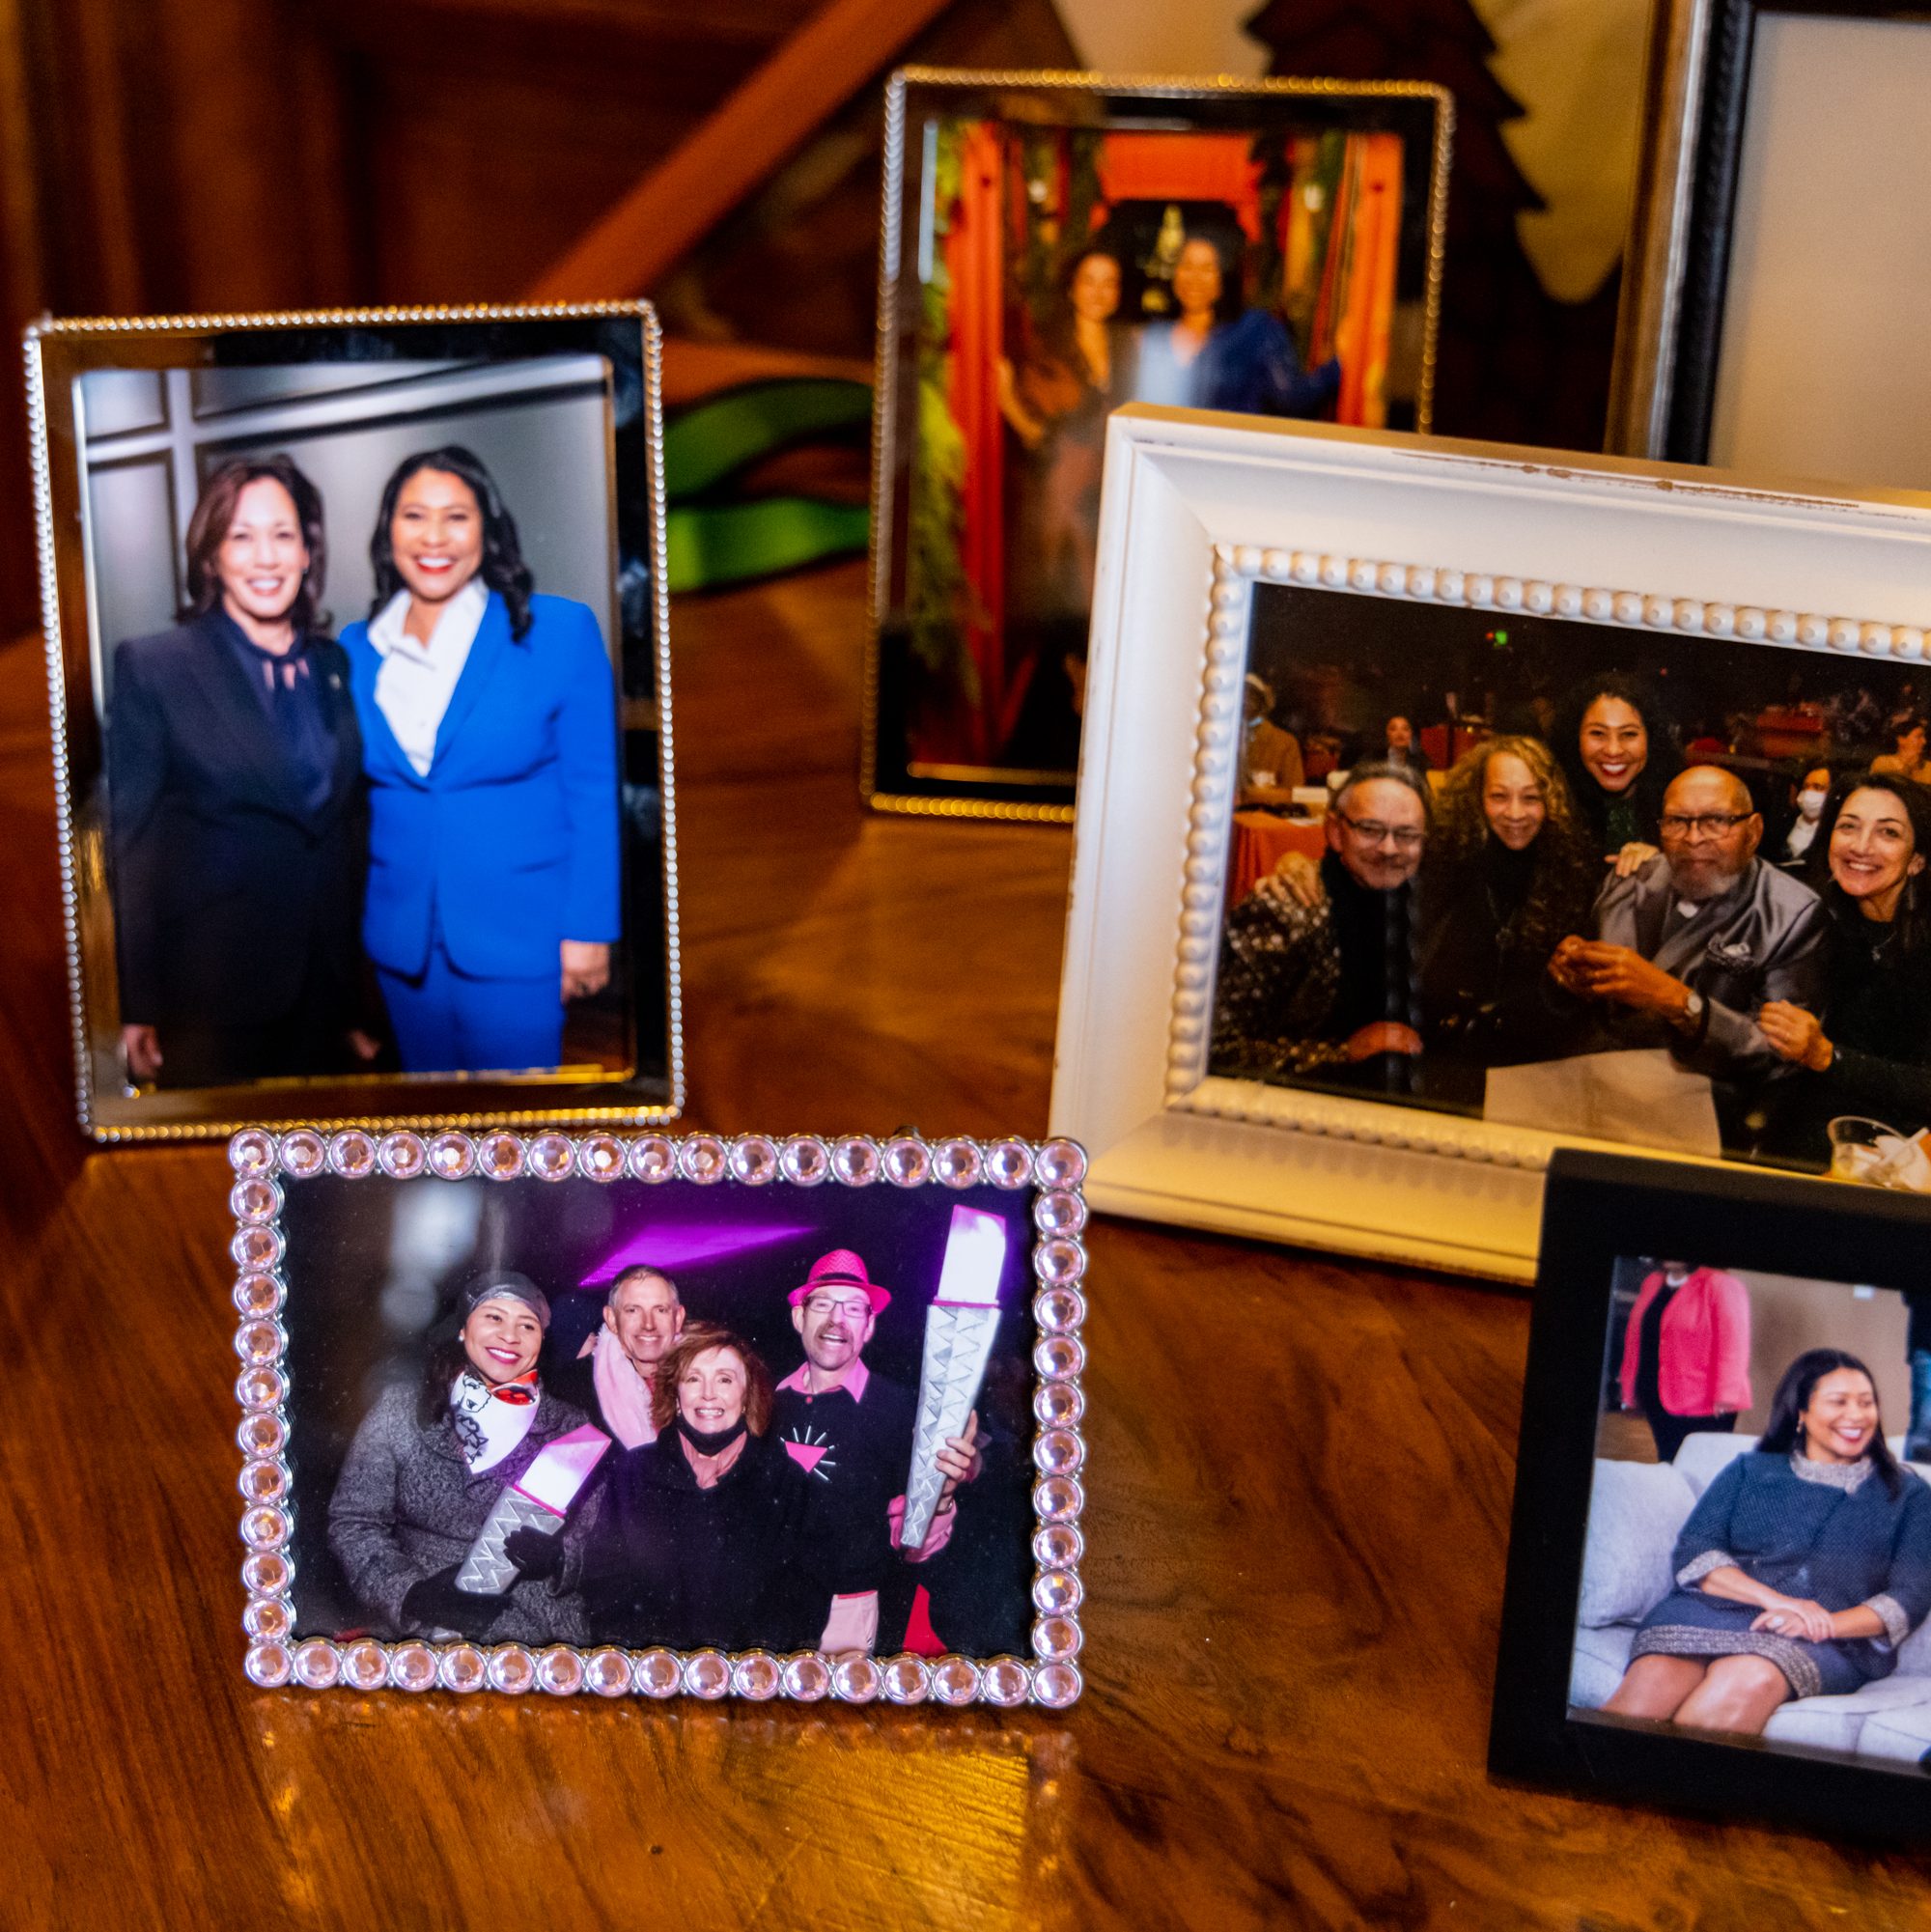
{"points": [[1298, 1486]]}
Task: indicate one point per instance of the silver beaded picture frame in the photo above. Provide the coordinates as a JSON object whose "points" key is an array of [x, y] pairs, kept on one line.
{"points": [[256, 908], [324, 1258], [1207, 519]]}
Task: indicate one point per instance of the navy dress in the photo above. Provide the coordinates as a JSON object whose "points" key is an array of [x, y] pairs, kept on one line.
{"points": [[1828, 1531]]}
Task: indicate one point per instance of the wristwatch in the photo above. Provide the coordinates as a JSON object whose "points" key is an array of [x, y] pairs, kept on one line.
{"points": [[1692, 1016]]}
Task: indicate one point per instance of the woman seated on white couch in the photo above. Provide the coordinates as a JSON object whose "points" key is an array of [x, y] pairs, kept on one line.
{"points": [[1803, 1567]]}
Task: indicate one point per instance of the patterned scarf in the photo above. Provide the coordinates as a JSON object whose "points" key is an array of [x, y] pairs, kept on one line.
{"points": [[491, 1421]]}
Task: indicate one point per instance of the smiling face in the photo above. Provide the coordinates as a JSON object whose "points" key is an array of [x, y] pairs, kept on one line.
{"points": [[1840, 1421], [501, 1338], [1614, 743], [834, 1325], [1196, 279], [437, 535], [646, 1317], [1874, 852], [1377, 830], [1512, 802], [1096, 289], [263, 558], [711, 1391]]}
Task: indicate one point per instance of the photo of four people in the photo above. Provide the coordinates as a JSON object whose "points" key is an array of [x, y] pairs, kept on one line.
{"points": [[1692, 874], [743, 1416]]}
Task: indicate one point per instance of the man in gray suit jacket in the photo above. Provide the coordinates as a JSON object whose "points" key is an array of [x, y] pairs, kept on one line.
{"points": [[1688, 947]]}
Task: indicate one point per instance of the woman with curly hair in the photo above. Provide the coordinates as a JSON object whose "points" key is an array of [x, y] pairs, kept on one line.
{"points": [[1619, 754], [488, 720], [1511, 868]]}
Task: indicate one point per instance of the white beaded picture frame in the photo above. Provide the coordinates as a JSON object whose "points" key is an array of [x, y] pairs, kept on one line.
{"points": [[1041, 1180], [1199, 511]]}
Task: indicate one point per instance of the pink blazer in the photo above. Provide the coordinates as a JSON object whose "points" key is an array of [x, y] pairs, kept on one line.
{"points": [[1705, 1345]]}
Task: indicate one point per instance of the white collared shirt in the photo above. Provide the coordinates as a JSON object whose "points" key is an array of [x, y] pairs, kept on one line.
{"points": [[417, 680]]}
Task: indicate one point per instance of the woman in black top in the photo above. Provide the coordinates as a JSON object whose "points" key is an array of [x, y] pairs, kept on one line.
{"points": [[1511, 870], [1869, 1052], [1619, 753], [705, 1537]]}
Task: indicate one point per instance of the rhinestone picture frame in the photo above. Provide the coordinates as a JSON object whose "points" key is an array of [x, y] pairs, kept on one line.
{"points": [[267, 1164], [1201, 514]]}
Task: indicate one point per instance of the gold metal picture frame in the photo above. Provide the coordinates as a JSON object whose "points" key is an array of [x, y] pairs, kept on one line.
{"points": [[182, 395]]}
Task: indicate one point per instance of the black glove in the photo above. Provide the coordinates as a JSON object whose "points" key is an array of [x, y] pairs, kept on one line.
{"points": [[437, 1604], [535, 1552]]}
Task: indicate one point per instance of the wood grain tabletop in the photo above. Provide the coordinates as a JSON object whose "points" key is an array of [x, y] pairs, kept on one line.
{"points": [[1298, 1492]]}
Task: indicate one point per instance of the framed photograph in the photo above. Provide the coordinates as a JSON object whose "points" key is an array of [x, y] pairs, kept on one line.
{"points": [[1612, 830], [1785, 180], [1053, 245], [746, 1418], [1721, 1560], [360, 672]]}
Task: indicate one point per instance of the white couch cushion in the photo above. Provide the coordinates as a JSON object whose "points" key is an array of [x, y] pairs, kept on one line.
{"points": [[1597, 1664], [1636, 1511], [1706, 1455]]}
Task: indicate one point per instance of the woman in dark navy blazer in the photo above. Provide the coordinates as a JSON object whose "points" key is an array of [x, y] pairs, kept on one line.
{"points": [[489, 722], [235, 805]]}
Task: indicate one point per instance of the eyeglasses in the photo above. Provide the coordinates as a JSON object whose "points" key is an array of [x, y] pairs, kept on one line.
{"points": [[1407, 838], [1701, 825]]}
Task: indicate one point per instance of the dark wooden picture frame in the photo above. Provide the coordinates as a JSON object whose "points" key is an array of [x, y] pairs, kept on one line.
{"points": [[1683, 215]]}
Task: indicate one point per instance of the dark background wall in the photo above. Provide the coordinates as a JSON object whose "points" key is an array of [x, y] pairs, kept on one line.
{"points": [[172, 156]]}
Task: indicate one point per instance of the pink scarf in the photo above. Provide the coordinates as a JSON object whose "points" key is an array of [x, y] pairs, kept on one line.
{"points": [[621, 1393]]}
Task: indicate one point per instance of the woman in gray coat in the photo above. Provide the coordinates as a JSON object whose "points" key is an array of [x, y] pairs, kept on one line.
{"points": [[426, 1468]]}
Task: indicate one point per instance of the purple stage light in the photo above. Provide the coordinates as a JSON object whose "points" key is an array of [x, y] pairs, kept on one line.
{"points": [[671, 1246]]}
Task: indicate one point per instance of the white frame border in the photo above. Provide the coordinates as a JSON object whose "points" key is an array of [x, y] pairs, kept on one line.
{"points": [[266, 1161], [1199, 509]]}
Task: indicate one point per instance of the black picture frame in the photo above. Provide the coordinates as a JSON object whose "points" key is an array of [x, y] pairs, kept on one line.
{"points": [[1598, 1209], [1683, 227]]}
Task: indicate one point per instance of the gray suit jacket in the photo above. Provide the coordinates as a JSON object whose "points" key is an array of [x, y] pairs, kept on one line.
{"points": [[405, 1506], [1766, 938]]}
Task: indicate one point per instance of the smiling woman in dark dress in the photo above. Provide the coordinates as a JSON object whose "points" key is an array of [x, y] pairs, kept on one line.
{"points": [[1801, 1572], [1870, 1052], [705, 1537], [235, 805], [1510, 870]]}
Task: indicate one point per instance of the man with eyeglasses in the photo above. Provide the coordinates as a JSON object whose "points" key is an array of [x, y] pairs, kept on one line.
{"points": [[1330, 987], [1692, 944], [850, 1430]]}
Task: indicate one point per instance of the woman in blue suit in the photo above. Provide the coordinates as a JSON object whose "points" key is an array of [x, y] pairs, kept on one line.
{"points": [[489, 734]]}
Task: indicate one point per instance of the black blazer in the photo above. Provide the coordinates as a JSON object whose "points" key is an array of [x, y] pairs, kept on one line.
{"points": [[228, 887]]}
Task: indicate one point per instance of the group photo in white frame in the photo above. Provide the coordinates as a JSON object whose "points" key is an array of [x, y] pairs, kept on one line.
{"points": [[1715, 995]]}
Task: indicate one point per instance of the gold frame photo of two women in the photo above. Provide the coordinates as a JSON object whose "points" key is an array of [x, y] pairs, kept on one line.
{"points": [[356, 635], [745, 1417], [1058, 244], [1720, 1565]]}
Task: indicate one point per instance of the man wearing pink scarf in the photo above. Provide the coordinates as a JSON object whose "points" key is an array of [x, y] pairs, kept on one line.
{"points": [[643, 1317]]}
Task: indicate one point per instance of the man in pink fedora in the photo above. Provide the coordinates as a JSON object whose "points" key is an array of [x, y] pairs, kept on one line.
{"points": [[852, 1429]]}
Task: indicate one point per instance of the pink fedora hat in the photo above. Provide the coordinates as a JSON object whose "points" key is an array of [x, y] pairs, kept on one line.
{"points": [[842, 1269]]}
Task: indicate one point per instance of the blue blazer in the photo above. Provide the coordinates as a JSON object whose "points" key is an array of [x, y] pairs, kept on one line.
{"points": [[510, 845]]}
